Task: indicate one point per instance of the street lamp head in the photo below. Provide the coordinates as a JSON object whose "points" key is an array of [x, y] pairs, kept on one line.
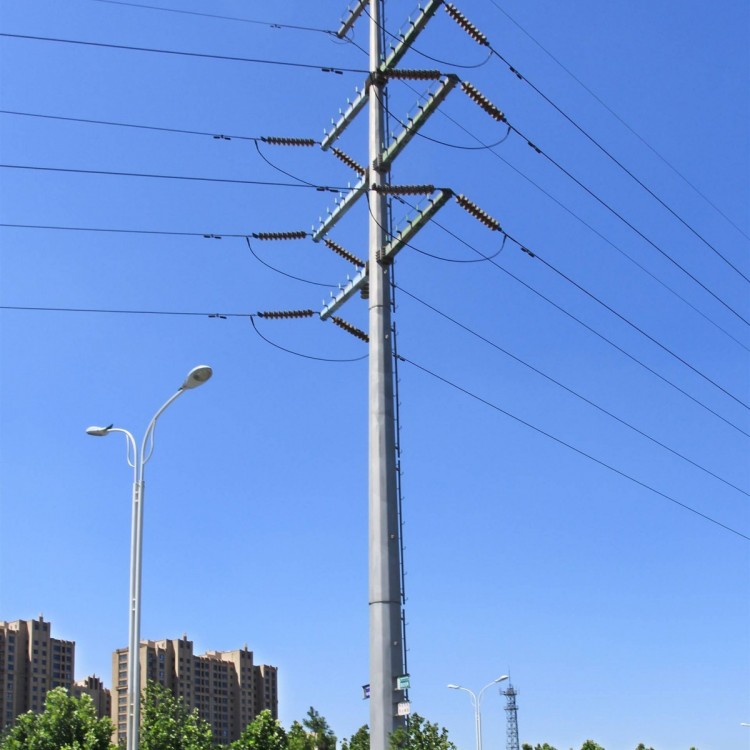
{"points": [[500, 679], [99, 431], [454, 687], [197, 376]]}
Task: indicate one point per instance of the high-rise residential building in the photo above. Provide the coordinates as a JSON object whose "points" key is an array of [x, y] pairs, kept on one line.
{"points": [[226, 687], [94, 688], [32, 663]]}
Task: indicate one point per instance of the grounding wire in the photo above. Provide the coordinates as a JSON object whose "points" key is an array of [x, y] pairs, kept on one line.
{"points": [[578, 395], [579, 451], [621, 121], [181, 53]]}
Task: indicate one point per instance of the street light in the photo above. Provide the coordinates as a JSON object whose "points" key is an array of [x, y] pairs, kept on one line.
{"points": [[137, 460], [476, 701]]}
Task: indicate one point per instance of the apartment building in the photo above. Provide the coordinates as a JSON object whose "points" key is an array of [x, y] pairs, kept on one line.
{"points": [[32, 663], [226, 687], [100, 695]]}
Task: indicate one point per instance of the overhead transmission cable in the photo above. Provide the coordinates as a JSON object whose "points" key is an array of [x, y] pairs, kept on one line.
{"points": [[319, 188], [482, 40], [533, 254], [573, 392], [620, 119], [269, 24], [204, 55], [492, 150], [216, 136], [579, 451], [589, 328]]}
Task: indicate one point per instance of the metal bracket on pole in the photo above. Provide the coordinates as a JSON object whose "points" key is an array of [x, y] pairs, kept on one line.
{"points": [[354, 14], [414, 124], [408, 37], [351, 288], [353, 109], [341, 208], [415, 224]]}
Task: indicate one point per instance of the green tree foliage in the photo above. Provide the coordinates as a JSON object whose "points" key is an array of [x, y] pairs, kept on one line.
{"points": [[323, 736], [545, 746], [420, 734], [591, 745], [168, 724], [641, 746], [65, 724], [298, 739], [263, 733], [360, 740]]}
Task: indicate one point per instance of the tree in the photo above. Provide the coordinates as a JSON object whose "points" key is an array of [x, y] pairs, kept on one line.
{"points": [[545, 746], [360, 740], [591, 745], [420, 734], [298, 739], [65, 724], [263, 733], [168, 724], [323, 736]]}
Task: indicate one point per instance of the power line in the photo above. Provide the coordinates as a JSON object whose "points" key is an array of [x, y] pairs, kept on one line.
{"points": [[618, 118], [190, 313], [616, 213], [589, 328], [591, 228], [218, 136], [491, 260], [578, 395], [579, 451], [534, 254], [169, 233], [319, 188], [270, 24], [591, 295], [203, 55], [493, 51], [621, 166]]}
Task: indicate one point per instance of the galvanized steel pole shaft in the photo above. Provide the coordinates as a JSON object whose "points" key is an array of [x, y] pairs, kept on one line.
{"points": [[386, 648]]}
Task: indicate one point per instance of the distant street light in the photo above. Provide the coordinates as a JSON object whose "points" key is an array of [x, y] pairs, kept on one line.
{"points": [[476, 701], [137, 460]]}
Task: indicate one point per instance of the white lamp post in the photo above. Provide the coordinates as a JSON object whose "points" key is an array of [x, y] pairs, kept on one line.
{"points": [[137, 461], [476, 701]]}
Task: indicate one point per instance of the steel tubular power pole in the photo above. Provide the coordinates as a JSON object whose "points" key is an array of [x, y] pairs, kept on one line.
{"points": [[386, 649]]}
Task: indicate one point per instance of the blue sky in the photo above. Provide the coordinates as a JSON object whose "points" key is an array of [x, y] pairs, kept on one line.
{"points": [[604, 571]]}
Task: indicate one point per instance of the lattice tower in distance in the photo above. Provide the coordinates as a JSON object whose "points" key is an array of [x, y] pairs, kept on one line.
{"points": [[511, 730]]}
